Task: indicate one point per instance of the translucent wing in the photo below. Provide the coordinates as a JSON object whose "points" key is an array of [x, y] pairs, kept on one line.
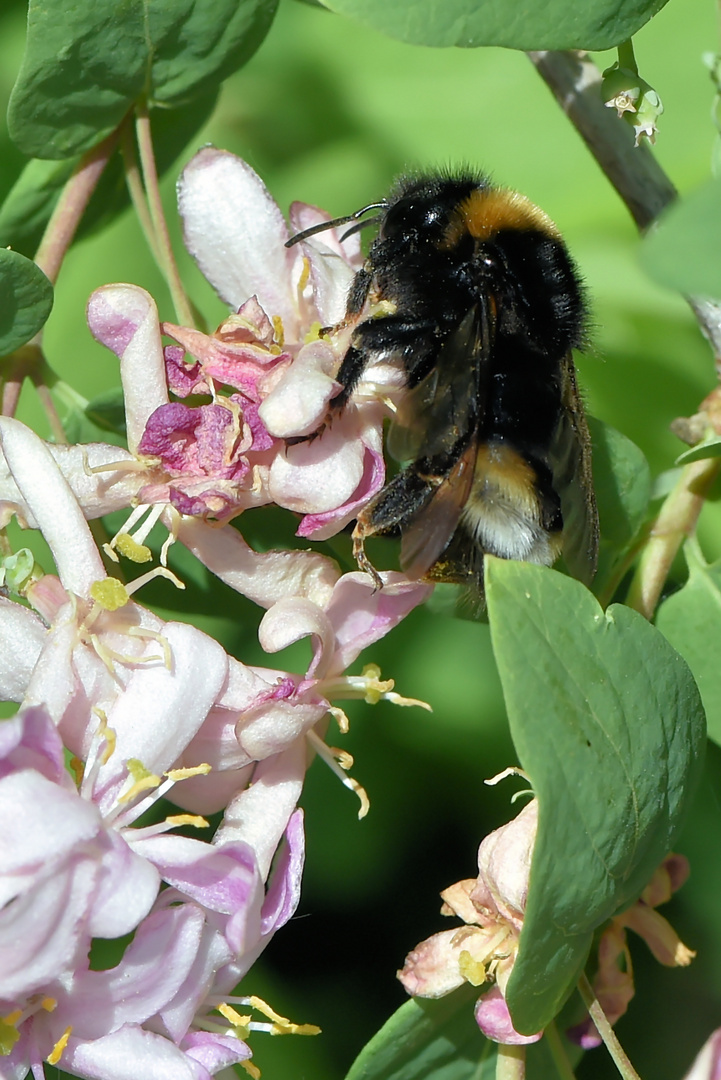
{"points": [[445, 406], [570, 462]]}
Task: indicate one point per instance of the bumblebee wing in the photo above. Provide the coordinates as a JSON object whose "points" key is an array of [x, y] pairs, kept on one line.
{"points": [[429, 533], [444, 407], [442, 419], [570, 461]]}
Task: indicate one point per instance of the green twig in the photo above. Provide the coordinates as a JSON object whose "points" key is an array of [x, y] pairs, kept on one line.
{"points": [[182, 306], [620, 1058], [137, 193], [558, 1052], [627, 57], [510, 1062], [70, 207]]}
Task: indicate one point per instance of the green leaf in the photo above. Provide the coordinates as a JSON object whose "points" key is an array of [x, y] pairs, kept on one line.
{"points": [[30, 202], [27, 209], [198, 43], [429, 1040], [684, 250], [107, 411], [26, 299], [515, 24], [709, 448], [608, 723], [622, 481], [691, 620], [85, 63]]}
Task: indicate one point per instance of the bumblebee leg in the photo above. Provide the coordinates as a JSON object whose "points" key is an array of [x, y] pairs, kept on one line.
{"points": [[364, 563]]}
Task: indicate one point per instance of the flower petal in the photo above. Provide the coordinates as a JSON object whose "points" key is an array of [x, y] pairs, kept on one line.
{"points": [[264, 577], [127, 1054], [22, 636], [235, 232], [125, 319], [53, 506], [494, 1020]]}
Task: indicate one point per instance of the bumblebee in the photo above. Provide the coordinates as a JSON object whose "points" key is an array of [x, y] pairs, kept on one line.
{"points": [[472, 290]]}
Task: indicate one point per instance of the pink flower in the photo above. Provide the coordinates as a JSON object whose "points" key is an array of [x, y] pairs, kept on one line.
{"points": [[613, 983], [484, 949], [707, 1065]]}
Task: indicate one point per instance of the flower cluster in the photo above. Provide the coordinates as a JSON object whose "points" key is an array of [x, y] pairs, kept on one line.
{"points": [[492, 906], [145, 709]]}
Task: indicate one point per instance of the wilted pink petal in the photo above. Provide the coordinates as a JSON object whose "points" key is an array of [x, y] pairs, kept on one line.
{"points": [[494, 1020], [504, 863], [431, 970]]}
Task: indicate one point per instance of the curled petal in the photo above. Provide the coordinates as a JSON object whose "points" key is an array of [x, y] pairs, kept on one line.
{"points": [[323, 526], [659, 935], [53, 506], [264, 577], [321, 475], [361, 614], [299, 402], [125, 319], [494, 1020], [128, 1053], [283, 892], [291, 620], [504, 862], [432, 969]]}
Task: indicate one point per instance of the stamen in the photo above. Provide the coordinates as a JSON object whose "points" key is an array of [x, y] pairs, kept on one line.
{"points": [[473, 971], [341, 719], [252, 1070], [143, 780], [279, 332], [184, 774], [130, 549], [282, 1023], [57, 1051], [77, 768], [512, 770], [328, 755]]}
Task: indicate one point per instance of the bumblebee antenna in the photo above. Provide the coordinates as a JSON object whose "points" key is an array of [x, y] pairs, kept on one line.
{"points": [[323, 225]]}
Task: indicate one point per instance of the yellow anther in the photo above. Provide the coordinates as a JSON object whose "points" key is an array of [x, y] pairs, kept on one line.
{"points": [[143, 780], [9, 1035], [314, 333], [252, 1070], [278, 330], [281, 1024], [185, 774], [49, 1004], [60, 1045], [131, 549], [13, 1017], [188, 819], [77, 768], [240, 1023], [473, 971], [109, 594], [304, 276]]}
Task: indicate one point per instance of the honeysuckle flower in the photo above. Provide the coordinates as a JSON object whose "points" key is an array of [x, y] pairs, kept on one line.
{"points": [[262, 711], [707, 1065], [484, 949], [613, 982]]}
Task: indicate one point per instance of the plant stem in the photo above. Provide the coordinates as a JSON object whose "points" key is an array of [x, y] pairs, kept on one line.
{"points": [[627, 57], [510, 1062], [182, 307], [70, 207], [137, 193], [676, 521], [575, 82], [558, 1052], [605, 1030]]}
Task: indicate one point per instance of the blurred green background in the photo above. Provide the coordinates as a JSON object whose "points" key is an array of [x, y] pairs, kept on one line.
{"points": [[330, 112]]}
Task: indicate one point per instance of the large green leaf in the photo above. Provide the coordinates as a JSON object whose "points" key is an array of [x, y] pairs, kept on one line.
{"points": [[26, 299], [691, 620], [684, 250], [85, 63], [429, 1040], [515, 24], [608, 723]]}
